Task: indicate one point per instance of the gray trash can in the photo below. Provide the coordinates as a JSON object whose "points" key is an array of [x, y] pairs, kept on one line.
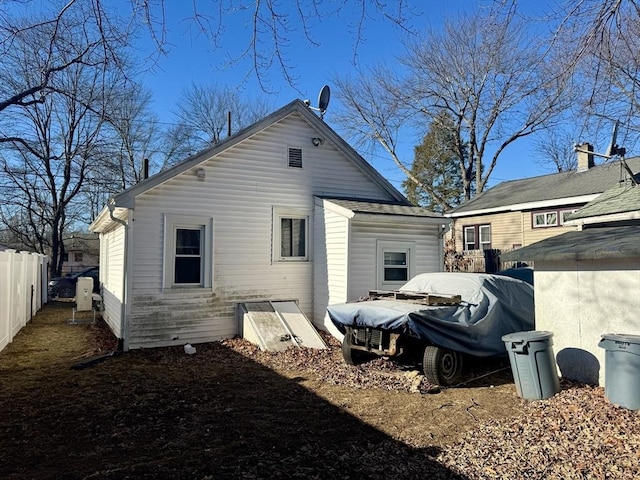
{"points": [[533, 364], [622, 369]]}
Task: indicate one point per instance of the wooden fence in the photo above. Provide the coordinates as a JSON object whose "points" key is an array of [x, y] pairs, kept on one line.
{"points": [[23, 290]]}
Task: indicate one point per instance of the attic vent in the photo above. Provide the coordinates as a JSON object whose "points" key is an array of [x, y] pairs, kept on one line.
{"points": [[295, 157]]}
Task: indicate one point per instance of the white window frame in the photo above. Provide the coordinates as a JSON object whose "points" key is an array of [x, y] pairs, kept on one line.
{"points": [[471, 228], [280, 213], [171, 224], [484, 245], [383, 247], [478, 244], [564, 213], [545, 216]]}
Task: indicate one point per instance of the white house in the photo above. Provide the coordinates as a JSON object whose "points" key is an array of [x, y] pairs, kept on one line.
{"points": [[587, 281], [283, 210]]}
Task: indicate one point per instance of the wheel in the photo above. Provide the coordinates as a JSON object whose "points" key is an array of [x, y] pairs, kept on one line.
{"points": [[441, 366], [353, 356]]}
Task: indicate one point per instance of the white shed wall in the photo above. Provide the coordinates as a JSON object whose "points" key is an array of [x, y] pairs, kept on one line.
{"points": [[363, 261], [240, 189], [580, 301]]}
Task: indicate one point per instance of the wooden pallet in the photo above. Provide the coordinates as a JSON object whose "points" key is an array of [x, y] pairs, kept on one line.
{"points": [[415, 297]]}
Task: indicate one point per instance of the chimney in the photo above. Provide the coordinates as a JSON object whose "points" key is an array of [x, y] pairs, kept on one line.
{"points": [[585, 157]]}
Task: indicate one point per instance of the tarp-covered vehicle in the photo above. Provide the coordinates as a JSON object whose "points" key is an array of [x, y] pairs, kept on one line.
{"points": [[440, 316]]}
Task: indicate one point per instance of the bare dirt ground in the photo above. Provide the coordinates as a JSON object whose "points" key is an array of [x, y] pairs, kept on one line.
{"points": [[231, 411]]}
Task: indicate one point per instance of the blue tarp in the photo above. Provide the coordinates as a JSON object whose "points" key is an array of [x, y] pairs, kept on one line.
{"points": [[492, 306]]}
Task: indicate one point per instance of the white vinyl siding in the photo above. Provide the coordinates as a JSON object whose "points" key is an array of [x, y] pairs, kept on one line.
{"points": [[363, 251], [331, 261], [242, 185], [187, 251], [112, 275]]}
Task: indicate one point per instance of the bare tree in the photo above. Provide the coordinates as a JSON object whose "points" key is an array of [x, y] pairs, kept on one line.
{"points": [[557, 151], [49, 144], [483, 71], [98, 37], [205, 114]]}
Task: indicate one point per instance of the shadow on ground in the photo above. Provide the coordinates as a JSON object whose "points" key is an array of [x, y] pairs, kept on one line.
{"points": [[160, 414]]}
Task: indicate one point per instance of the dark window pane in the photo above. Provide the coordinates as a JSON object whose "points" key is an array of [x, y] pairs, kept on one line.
{"points": [[395, 274], [187, 242], [293, 237], [395, 258], [187, 270]]}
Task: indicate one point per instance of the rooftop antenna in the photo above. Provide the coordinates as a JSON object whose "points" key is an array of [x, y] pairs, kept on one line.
{"points": [[614, 150], [323, 101]]}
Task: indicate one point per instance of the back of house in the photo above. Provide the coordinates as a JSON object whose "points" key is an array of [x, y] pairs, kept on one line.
{"points": [[260, 216]]}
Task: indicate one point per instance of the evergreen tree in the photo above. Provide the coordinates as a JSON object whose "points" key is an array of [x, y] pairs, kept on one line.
{"points": [[436, 167]]}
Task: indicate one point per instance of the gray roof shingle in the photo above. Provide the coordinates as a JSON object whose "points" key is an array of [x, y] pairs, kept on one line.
{"points": [[549, 187], [381, 208]]}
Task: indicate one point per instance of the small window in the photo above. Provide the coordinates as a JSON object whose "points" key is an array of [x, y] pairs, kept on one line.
{"points": [[77, 257], [469, 238], [396, 264], [295, 157], [395, 267], [65, 257], [188, 256], [293, 237], [290, 235], [545, 219], [187, 251], [484, 232]]}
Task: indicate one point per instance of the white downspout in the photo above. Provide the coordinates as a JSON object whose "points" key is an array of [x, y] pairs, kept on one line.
{"points": [[124, 321]]}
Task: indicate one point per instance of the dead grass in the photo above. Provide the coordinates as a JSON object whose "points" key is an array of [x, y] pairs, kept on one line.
{"points": [[230, 411]]}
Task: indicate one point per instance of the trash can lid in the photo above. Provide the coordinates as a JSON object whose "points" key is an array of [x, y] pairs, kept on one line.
{"points": [[528, 336], [624, 338]]}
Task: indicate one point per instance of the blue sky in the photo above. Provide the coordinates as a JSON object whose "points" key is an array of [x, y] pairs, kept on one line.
{"points": [[192, 58]]}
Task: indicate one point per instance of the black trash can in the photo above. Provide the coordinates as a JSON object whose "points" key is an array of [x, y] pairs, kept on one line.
{"points": [[533, 364], [622, 369]]}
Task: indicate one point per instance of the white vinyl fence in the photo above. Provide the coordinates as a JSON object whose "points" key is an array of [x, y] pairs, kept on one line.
{"points": [[23, 290]]}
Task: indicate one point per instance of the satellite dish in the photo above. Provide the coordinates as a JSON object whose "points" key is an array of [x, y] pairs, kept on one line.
{"points": [[612, 149], [323, 99]]}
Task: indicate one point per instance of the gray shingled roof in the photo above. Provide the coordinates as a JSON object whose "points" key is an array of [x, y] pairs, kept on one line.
{"points": [[619, 199], [549, 187], [587, 244], [379, 208]]}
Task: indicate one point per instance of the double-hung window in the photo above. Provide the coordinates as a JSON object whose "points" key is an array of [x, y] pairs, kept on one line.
{"points": [[290, 235], [477, 237], [396, 264], [188, 258], [187, 251]]}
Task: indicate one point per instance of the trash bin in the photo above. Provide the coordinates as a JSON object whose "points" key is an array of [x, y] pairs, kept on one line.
{"points": [[533, 364], [622, 369]]}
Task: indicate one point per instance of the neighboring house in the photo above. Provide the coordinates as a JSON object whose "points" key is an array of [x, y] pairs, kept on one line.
{"points": [[517, 213], [82, 250], [283, 210], [587, 282]]}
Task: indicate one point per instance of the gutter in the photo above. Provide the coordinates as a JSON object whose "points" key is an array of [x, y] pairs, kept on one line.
{"points": [[124, 321]]}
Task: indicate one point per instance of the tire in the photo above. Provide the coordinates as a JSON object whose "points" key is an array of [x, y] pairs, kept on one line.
{"points": [[441, 366], [353, 356]]}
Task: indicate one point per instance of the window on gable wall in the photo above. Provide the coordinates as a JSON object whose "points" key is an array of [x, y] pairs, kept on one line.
{"points": [[290, 235], [477, 237], [187, 251]]}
